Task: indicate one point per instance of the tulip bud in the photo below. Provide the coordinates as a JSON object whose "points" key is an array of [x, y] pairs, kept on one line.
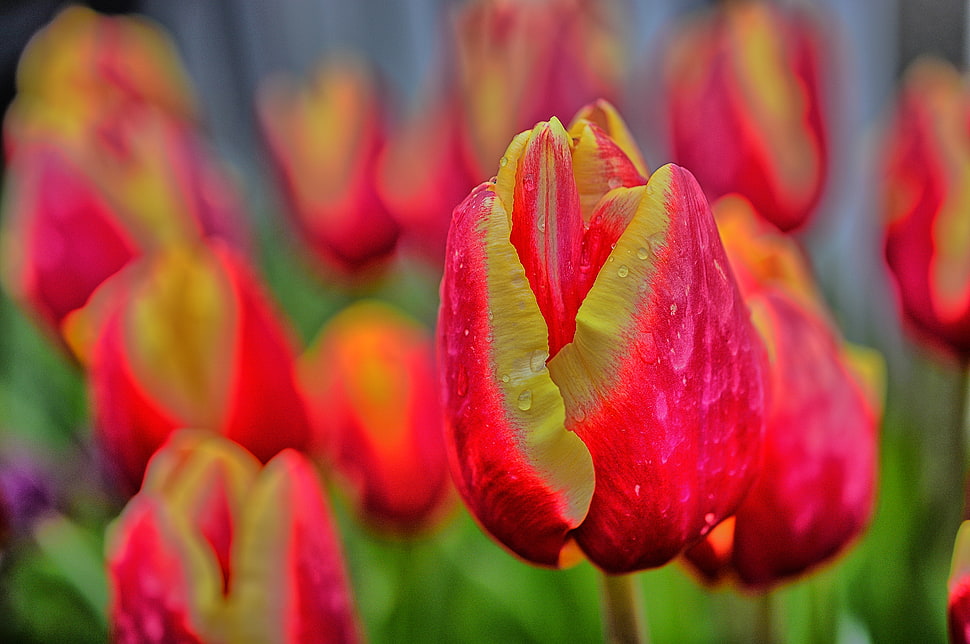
{"points": [[372, 395], [927, 200], [188, 339], [815, 491], [325, 139], [216, 548], [601, 378], [745, 110]]}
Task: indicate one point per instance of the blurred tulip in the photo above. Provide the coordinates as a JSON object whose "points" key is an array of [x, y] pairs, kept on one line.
{"points": [[187, 338], [524, 62], [422, 195], [216, 548], [91, 67], [103, 174], [927, 201], [325, 139], [815, 491], [745, 110], [372, 395], [601, 378]]}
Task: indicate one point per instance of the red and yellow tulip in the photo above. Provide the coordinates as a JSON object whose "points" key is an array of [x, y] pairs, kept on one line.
{"points": [[325, 140], [372, 396], [745, 108], [814, 493], [958, 606], [927, 201], [601, 378], [187, 338], [104, 162], [217, 548]]}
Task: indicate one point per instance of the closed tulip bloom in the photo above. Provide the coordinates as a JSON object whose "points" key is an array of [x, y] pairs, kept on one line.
{"points": [[601, 379], [325, 138], [217, 548], [373, 398], [927, 201], [815, 491], [187, 338], [745, 108]]}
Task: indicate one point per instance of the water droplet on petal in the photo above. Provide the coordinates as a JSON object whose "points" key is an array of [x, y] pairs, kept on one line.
{"points": [[461, 381], [643, 253], [541, 223], [709, 518], [537, 361], [614, 182], [506, 378], [504, 161], [673, 309], [623, 271], [525, 400], [636, 489], [466, 332]]}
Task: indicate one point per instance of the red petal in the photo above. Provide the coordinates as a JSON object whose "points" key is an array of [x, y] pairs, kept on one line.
{"points": [[524, 477]]}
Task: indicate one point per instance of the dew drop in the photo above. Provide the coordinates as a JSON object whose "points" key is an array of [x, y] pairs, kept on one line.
{"points": [[584, 263], [506, 378], [636, 489], [537, 361], [541, 224], [525, 400], [709, 518], [461, 381], [466, 332], [529, 181], [643, 253], [623, 271], [579, 414], [504, 161], [614, 183], [673, 309]]}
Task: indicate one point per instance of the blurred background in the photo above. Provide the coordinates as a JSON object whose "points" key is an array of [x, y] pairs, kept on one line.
{"points": [[456, 584]]}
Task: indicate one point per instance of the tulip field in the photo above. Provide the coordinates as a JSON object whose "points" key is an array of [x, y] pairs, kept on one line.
{"points": [[610, 321]]}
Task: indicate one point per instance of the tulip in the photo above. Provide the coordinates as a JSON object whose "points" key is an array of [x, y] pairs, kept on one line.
{"points": [[521, 62], [187, 338], [371, 389], [216, 548], [814, 493], [600, 376], [325, 139], [745, 110], [103, 166], [927, 199]]}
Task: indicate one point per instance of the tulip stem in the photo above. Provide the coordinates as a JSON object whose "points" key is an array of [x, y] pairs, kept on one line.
{"points": [[623, 619]]}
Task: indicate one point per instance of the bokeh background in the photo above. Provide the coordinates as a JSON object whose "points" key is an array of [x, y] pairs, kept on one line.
{"points": [[458, 585]]}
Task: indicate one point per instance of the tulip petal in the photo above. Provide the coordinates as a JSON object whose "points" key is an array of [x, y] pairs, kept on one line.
{"points": [[663, 344], [525, 478], [604, 115], [289, 581], [165, 586], [599, 165], [547, 228]]}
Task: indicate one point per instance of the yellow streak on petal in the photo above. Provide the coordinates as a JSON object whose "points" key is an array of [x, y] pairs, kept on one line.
{"points": [[505, 179], [960, 565], [585, 368], [180, 330], [520, 347]]}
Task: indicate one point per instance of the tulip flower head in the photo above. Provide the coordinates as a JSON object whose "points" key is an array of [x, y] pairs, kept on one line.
{"points": [[325, 139], [814, 493], [745, 109], [217, 548], [187, 338], [927, 200], [372, 395], [601, 378], [958, 608]]}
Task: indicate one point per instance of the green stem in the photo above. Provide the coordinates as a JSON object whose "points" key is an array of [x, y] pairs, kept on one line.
{"points": [[623, 620], [765, 630]]}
